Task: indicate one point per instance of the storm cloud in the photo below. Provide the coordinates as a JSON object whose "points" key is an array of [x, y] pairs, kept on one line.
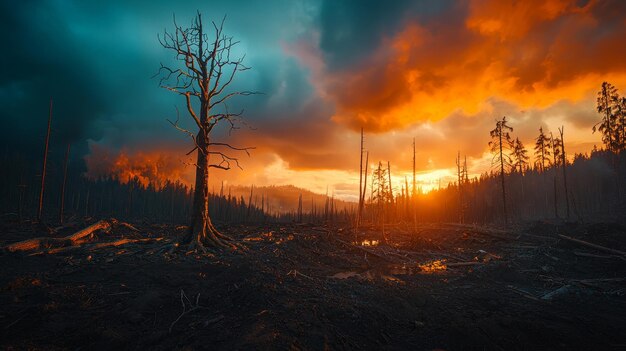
{"points": [[439, 71]]}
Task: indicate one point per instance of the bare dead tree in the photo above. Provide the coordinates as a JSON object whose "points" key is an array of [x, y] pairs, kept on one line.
{"points": [[459, 183], [542, 157], [564, 161], [360, 211], [501, 141], [300, 208], [607, 102], [206, 71], [67, 158], [555, 144], [389, 176], [367, 162], [414, 191], [43, 168]]}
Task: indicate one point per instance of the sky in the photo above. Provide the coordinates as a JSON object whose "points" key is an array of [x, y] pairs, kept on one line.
{"points": [[441, 72]]}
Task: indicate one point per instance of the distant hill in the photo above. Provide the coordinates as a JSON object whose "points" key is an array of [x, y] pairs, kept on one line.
{"points": [[284, 198]]}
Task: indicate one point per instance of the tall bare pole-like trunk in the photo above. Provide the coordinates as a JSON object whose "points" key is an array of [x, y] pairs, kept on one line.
{"points": [[543, 173], [360, 210], [406, 196], [459, 182], [67, 158], [43, 168], [367, 160], [21, 189], [556, 210], [389, 178], [414, 191], [564, 160], [390, 187], [506, 215], [300, 208]]}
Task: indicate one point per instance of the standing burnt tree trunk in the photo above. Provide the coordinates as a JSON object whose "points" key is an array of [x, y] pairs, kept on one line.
{"points": [[564, 163], [206, 70], [500, 142], [556, 150], [43, 167], [542, 158]]}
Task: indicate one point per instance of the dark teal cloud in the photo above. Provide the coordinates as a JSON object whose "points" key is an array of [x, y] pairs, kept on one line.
{"points": [[96, 60]]}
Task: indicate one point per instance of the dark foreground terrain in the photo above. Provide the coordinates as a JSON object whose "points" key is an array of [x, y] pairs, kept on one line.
{"points": [[308, 287]]}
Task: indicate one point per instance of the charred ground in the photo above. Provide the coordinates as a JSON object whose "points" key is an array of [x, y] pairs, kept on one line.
{"points": [[309, 287]]}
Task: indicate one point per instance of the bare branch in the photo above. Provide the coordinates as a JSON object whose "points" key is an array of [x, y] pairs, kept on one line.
{"points": [[244, 149]]}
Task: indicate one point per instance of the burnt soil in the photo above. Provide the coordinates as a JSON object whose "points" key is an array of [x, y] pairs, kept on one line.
{"points": [[310, 287]]}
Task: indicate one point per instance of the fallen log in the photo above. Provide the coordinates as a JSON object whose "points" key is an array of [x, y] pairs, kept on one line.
{"points": [[100, 225], [97, 246], [71, 240], [588, 244]]}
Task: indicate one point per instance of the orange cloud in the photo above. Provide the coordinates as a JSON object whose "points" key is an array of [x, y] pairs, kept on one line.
{"points": [[442, 81], [530, 53]]}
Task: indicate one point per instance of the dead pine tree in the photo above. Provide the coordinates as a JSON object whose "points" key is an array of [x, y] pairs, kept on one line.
{"points": [[360, 210], [520, 156], [564, 162], [406, 197], [380, 194], [206, 69], [300, 208], [459, 174], [555, 143], [542, 158], [367, 160], [606, 105], [43, 168], [414, 193], [520, 163], [67, 158], [390, 187], [501, 142]]}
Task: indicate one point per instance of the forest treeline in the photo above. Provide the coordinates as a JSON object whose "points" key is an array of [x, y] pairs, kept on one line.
{"points": [[541, 183], [132, 199]]}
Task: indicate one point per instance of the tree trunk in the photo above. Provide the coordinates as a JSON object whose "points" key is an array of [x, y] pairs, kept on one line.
{"points": [[360, 211], [67, 156], [202, 233], [564, 160], [506, 218], [43, 168]]}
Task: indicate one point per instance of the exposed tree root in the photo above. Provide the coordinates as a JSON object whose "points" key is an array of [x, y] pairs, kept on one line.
{"points": [[204, 237]]}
